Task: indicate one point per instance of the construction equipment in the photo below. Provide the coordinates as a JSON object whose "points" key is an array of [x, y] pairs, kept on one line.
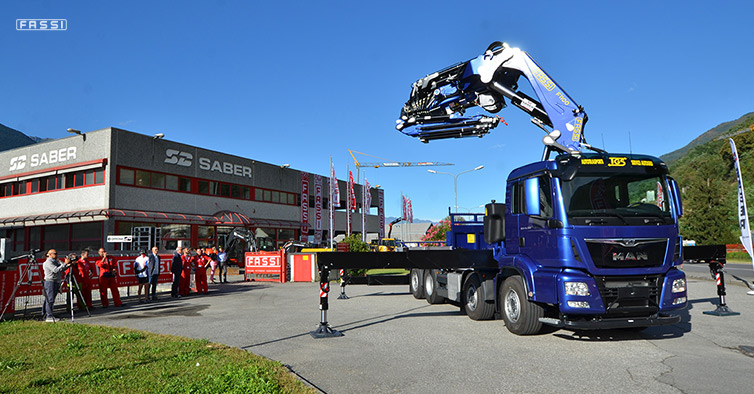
{"points": [[580, 242], [390, 163], [438, 102]]}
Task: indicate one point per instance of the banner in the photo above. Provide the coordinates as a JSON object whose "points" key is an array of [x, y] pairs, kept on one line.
{"points": [[660, 195], [317, 209], [404, 213], [124, 264], [304, 207], [351, 194], [335, 200], [409, 211], [743, 215], [265, 263], [381, 211]]}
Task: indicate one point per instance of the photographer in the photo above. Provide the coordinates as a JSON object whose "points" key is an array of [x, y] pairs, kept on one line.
{"points": [[53, 270], [108, 277]]}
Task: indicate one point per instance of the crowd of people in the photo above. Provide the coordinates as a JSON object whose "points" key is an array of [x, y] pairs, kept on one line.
{"points": [[146, 268]]}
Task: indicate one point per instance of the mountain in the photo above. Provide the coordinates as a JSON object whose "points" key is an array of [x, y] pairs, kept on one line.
{"points": [[391, 218], [723, 130], [10, 138]]}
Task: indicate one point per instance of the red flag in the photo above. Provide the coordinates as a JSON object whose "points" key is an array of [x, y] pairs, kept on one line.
{"points": [[351, 193], [410, 210], [403, 208]]}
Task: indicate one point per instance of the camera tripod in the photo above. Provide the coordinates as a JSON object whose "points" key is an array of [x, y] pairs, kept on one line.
{"points": [[25, 271], [73, 286]]}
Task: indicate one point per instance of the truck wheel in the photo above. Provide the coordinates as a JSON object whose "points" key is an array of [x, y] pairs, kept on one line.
{"points": [[416, 284], [430, 288], [474, 299], [521, 316]]}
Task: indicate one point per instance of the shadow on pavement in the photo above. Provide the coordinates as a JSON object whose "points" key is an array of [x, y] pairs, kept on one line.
{"points": [[371, 321], [637, 333]]}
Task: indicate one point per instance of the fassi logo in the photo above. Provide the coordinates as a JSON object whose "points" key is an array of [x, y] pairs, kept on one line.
{"points": [[179, 158]]}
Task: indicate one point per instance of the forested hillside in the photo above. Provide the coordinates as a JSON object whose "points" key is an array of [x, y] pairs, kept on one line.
{"points": [[709, 190]]}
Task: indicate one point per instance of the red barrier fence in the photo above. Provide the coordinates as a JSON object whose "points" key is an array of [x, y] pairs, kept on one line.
{"points": [[126, 276], [734, 248], [265, 266]]}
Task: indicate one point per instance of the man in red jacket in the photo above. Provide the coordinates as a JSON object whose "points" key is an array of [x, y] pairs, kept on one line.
{"points": [[188, 262], [82, 272], [200, 275], [108, 279]]}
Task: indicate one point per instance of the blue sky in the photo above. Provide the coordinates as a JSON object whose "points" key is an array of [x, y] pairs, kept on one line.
{"points": [[297, 82]]}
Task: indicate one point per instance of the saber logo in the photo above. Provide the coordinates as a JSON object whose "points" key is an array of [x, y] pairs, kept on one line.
{"points": [[179, 158], [42, 24], [17, 163]]}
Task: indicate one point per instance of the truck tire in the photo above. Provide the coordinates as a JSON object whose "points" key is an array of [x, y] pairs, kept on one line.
{"points": [[474, 299], [520, 315], [430, 288], [416, 284]]}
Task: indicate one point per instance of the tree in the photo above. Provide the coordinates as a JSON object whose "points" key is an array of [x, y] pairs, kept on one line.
{"points": [[437, 232]]}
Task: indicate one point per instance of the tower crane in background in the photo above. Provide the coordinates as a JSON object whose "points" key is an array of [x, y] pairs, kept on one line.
{"points": [[391, 163]]}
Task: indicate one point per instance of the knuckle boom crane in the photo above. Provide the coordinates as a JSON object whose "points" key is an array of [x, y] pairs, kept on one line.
{"points": [[438, 103]]}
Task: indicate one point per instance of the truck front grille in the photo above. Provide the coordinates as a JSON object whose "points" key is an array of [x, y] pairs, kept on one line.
{"points": [[630, 295], [627, 253]]}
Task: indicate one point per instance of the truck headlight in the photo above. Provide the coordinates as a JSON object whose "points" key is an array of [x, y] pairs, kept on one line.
{"points": [[576, 288], [679, 285]]}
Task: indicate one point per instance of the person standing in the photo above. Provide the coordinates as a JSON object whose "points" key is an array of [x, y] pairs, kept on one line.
{"points": [[200, 273], [176, 267], [222, 259], [83, 274], [213, 264], [142, 275], [108, 279], [154, 273], [188, 261], [53, 270]]}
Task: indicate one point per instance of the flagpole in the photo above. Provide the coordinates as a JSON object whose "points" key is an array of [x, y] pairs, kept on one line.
{"points": [[330, 206], [348, 201]]}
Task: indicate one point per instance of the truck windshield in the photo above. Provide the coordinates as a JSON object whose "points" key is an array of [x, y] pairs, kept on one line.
{"points": [[616, 199]]}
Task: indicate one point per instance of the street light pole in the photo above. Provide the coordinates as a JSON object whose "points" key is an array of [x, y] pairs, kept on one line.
{"points": [[455, 181]]}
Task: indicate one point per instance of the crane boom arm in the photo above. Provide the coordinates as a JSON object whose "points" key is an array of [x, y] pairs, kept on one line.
{"points": [[438, 102]]}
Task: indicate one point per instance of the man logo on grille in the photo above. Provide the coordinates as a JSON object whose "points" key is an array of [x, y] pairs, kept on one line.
{"points": [[630, 256]]}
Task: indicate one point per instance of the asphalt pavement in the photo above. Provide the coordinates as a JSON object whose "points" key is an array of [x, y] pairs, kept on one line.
{"points": [[395, 343]]}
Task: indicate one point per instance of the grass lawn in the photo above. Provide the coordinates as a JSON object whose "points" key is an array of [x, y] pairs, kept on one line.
{"points": [[63, 357]]}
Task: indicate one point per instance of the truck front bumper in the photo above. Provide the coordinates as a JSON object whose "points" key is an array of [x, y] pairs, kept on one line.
{"points": [[611, 323]]}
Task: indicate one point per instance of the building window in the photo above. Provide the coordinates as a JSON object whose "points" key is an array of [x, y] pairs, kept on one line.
{"points": [[171, 182], [158, 180], [184, 185], [55, 237], [86, 236], [142, 178], [203, 187], [126, 176]]}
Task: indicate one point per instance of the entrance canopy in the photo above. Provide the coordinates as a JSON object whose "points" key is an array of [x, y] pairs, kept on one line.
{"points": [[222, 218]]}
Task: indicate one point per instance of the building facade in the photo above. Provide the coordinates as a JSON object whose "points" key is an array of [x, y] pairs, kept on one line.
{"points": [[74, 192]]}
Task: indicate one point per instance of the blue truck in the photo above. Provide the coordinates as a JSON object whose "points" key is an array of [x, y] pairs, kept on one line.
{"points": [[585, 239], [563, 262]]}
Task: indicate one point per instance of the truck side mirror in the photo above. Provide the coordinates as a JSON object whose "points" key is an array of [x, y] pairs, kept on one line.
{"points": [[494, 223], [676, 191], [531, 189]]}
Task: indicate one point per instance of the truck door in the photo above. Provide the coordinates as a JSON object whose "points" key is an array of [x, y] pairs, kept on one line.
{"points": [[534, 239], [516, 205]]}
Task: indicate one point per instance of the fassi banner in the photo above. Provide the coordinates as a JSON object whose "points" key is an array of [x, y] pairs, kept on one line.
{"points": [[304, 207], [126, 273], [317, 209]]}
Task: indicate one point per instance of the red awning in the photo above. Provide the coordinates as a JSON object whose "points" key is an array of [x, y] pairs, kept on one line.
{"points": [[222, 218]]}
